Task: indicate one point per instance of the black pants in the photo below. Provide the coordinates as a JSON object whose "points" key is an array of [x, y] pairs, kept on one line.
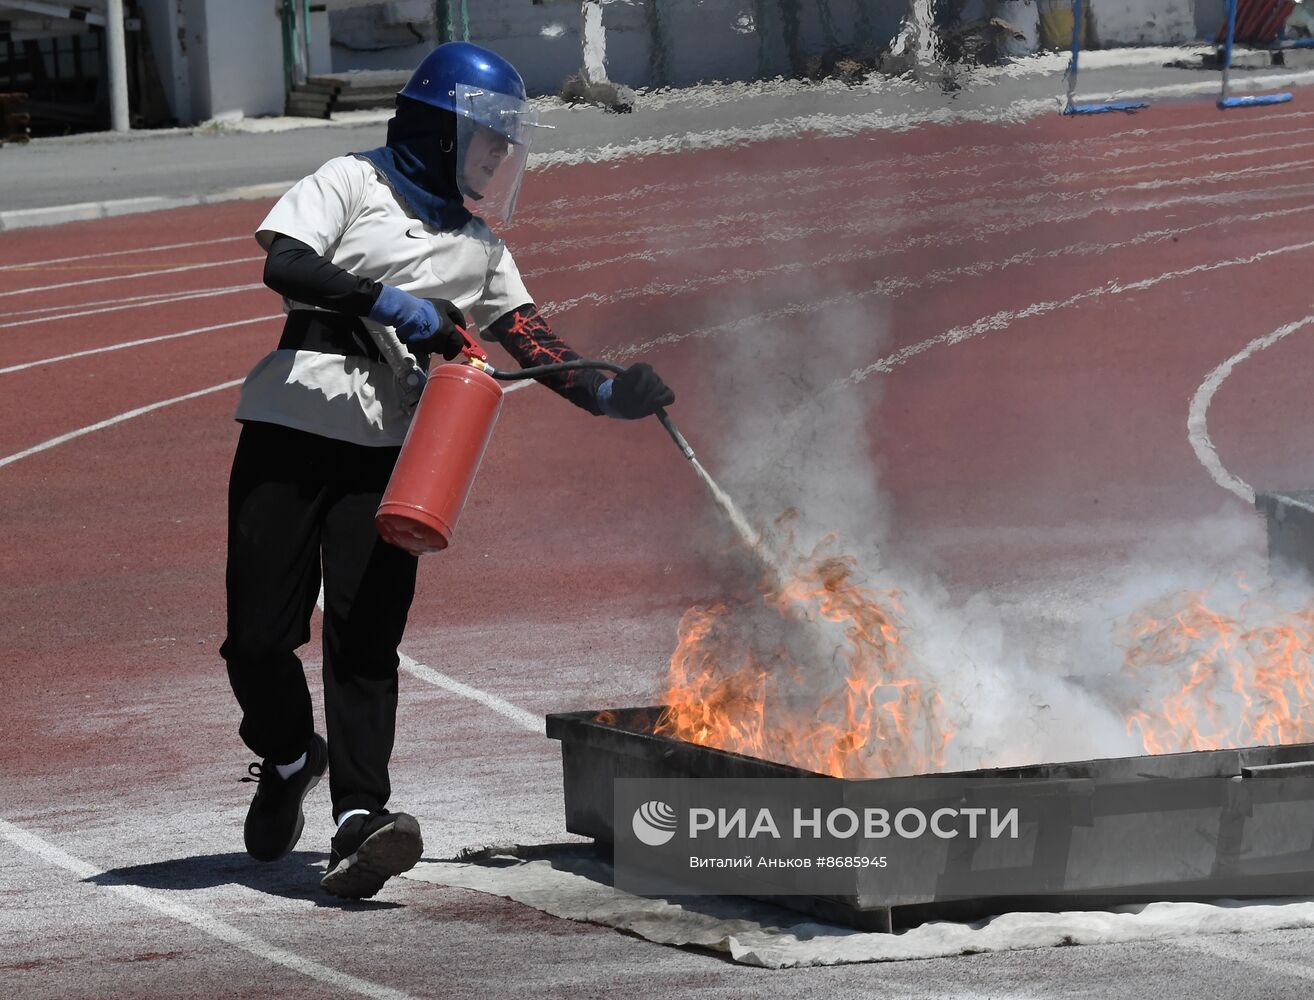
{"points": [[296, 502]]}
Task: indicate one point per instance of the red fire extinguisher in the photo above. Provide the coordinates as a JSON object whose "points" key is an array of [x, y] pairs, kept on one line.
{"points": [[449, 434]]}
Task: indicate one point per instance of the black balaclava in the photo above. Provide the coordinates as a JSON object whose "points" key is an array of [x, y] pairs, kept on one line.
{"points": [[419, 163]]}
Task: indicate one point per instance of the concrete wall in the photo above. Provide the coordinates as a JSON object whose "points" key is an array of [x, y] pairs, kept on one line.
{"points": [[224, 57], [679, 42], [1143, 22], [166, 30], [243, 75]]}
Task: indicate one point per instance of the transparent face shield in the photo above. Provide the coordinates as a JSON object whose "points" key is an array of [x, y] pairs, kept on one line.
{"points": [[493, 134]]}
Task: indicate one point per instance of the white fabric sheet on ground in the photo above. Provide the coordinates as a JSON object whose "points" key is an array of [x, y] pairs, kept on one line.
{"points": [[568, 881]]}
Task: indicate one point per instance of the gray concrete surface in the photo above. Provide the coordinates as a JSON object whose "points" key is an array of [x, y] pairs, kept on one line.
{"points": [[218, 162]]}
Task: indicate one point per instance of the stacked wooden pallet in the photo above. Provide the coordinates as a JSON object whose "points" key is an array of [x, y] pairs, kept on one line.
{"points": [[358, 90]]}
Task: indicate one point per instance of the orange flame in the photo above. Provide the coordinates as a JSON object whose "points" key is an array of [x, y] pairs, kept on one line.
{"points": [[811, 673], [1230, 684]]}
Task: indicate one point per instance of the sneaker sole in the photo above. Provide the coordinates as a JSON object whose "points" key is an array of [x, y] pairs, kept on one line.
{"points": [[296, 834], [387, 852]]}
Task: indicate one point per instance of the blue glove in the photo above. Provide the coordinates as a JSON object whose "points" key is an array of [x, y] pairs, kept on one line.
{"points": [[636, 392], [429, 326]]}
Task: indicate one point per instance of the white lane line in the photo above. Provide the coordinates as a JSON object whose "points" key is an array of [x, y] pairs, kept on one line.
{"points": [[202, 921], [896, 285], [522, 718], [148, 299], [1020, 195], [1197, 426], [504, 708], [102, 424], [1042, 153], [201, 293], [28, 265], [138, 343], [1002, 320], [131, 275]]}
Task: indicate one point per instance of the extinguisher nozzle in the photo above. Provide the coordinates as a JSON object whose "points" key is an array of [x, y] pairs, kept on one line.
{"points": [[675, 434]]}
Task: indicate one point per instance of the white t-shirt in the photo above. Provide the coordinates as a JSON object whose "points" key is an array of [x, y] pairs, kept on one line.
{"points": [[347, 213]]}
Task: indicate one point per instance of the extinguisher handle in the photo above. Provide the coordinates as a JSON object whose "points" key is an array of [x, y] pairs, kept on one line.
{"points": [[471, 349]]}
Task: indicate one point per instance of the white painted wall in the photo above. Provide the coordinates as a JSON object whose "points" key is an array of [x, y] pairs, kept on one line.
{"points": [[1143, 22], [244, 75], [228, 59]]}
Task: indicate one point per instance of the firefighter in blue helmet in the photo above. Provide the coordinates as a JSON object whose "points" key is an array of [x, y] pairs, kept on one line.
{"points": [[379, 261]]}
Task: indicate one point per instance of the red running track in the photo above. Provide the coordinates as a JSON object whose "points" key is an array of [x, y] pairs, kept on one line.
{"points": [[1037, 305]]}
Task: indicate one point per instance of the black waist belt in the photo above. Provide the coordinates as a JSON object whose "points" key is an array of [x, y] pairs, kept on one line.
{"points": [[327, 333]]}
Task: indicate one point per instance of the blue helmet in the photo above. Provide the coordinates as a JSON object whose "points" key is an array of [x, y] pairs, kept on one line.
{"points": [[456, 65]]}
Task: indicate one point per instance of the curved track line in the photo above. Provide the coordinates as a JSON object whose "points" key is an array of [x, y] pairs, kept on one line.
{"points": [[101, 425], [1002, 320], [1197, 428], [203, 922], [137, 343]]}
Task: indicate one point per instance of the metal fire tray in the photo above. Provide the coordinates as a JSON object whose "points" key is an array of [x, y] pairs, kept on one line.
{"points": [[1115, 838]]}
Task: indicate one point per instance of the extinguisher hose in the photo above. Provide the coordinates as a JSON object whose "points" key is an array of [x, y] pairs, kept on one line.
{"points": [[582, 364]]}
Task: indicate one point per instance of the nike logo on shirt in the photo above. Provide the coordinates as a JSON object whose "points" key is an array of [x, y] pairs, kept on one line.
{"points": [[414, 237]]}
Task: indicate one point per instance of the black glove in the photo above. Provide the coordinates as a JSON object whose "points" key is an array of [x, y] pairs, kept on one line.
{"points": [[637, 392], [446, 338], [427, 325]]}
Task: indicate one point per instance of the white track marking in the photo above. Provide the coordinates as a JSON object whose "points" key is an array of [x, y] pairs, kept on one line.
{"points": [[526, 720], [892, 287], [522, 718], [203, 922], [146, 299], [1197, 427], [946, 236], [36, 449], [131, 275], [138, 343], [28, 265], [1002, 320], [1028, 196], [1042, 153], [202, 293]]}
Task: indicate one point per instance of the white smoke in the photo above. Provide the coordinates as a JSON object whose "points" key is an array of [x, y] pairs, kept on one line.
{"points": [[1026, 675]]}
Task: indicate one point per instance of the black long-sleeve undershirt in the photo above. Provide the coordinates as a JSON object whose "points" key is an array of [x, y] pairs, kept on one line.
{"points": [[297, 272]]}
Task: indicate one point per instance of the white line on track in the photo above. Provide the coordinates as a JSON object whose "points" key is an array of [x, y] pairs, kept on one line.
{"points": [[1197, 427], [1003, 319], [110, 422], [896, 285], [204, 922], [138, 343], [522, 718], [147, 299], [200, 293], [132, 275], [28, 265]]}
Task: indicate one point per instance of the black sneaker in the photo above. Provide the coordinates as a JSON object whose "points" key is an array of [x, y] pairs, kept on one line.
{"points": [[274, 821], [369, 850]]}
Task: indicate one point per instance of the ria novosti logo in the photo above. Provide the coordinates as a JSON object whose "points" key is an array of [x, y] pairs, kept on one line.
{"points": [[654, 823]]}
